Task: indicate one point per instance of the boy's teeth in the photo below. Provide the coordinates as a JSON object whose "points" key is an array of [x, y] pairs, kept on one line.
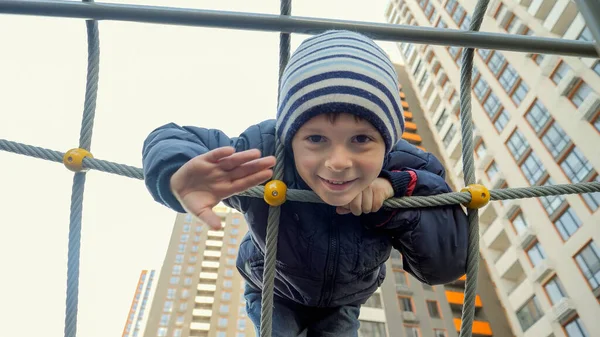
{"points": [[335, 182]]}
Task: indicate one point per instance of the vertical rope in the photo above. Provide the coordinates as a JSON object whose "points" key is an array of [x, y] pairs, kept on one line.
{"points": [[85, 140], [266, 315], [468, 311]]}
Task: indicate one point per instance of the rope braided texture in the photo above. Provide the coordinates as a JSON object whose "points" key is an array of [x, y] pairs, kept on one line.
{"points": [[468, 309], [85, 142], [266, 315]]}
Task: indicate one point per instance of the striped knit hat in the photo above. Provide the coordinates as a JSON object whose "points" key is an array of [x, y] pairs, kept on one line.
{"points": [[340, 71]]}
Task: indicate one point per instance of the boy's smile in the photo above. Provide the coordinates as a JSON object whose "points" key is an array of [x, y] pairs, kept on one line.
{"points": [[338, 156]]}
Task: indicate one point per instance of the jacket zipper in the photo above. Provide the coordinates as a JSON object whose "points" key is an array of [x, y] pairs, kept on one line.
{"points": [[331, 258]]}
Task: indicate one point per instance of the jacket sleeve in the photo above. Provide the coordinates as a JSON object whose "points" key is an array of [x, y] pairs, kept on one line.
{"points": [[432, 240], [170, 146]]}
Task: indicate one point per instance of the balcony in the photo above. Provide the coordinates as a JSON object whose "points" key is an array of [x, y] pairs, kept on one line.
{"points": [[562, 310], [484, 161], [458, 298], [525, 238], [488, 214], [567, 83], [448, 92], [433, 104], [455, 107], [495, 237], [590, 106], [409, 316], [548, 64], [541, 8], [509, 267], [480, 328], [403, 289], [542, 271], [561, 16], [440, 77], [455, 146]]}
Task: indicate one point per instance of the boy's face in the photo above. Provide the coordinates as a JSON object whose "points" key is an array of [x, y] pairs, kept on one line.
{"points": [[339, 159]]}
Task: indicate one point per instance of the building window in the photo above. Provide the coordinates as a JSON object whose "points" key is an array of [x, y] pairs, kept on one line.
{"points": [[480, 150], [537, 116], [441, 24], [221, 334], [492, 105], [179, 258], [187, 281], [405, 304], [536, 254], [454, 52], [588, 260], [585, 35], [532, 168], [230, 262], [176, 270], [575, 328], [555, 290], [517, 144], [519, 223], [581, 92], [177, 332], [222, 322], [519, 94], [374, 301], [168, 306], [552, 203], [226, 296], [184, 237], [555, 139], [162, 332], [179, 320], [224, 309], [560, 72], [372, 329], [433, 308], [508, 78], [491, 171], [400, 277], [171, 293], [449, 135], [164, 319], [496, 63], [529, 313], [439, 333], [567, 224], [412, 331], [592, 199], [441, 120], [576, 166], [174, 280], [183, 307], [181, 248], [186, 228], [227, 284], [481, 88]]}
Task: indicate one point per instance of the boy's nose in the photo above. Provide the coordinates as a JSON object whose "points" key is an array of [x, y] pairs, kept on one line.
{"points": [[338, 161]]}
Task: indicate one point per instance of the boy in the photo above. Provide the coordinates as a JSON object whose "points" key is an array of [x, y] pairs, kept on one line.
{"points": [[340, 120]]}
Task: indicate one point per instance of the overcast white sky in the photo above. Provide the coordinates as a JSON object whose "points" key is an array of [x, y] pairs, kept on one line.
{"points": [[149, 75]]}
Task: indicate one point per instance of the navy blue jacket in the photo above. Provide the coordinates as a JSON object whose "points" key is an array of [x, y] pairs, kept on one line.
{"points": [[323, 258]]}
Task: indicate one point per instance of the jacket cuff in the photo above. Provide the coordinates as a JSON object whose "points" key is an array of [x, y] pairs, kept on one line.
{"points": [[163, 187], [400, 180]]}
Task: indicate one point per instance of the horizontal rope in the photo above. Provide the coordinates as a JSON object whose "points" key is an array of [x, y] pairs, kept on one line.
{"points": [[451, 198]]}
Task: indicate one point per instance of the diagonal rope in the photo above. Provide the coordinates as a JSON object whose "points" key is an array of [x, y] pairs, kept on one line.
{"points": [[266, 315], [468, 309], [85, 142]]}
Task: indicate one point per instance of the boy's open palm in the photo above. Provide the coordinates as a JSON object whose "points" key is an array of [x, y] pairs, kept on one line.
{"points": [[201, 183]]}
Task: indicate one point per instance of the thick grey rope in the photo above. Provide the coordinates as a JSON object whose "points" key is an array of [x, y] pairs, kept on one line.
{"points": [[451, 198], [468, 309], [85, 142], [266, 315]]}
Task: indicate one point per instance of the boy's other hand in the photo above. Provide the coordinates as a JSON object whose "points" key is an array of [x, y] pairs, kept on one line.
{"points": [[370, 199], [201, 183]]}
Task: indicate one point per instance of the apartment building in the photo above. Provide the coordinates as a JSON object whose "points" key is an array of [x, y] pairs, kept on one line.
{"points": [[199, 291], [537, 122], [142, 298]]}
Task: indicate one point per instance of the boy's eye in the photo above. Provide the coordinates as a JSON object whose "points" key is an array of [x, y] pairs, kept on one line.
{"points": [[315, 138], [362, 139]]}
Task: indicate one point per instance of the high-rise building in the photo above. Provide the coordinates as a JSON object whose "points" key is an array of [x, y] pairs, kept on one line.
{"points": [[199, 291], [403, 306], [142, 297], [537, 122]]}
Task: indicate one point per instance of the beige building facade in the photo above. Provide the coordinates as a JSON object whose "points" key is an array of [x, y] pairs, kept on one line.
{"points": [[537, 122]]}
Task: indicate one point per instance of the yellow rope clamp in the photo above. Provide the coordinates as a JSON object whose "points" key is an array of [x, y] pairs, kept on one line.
{"points": [[73, 159], [480, 196], [275, 192]]}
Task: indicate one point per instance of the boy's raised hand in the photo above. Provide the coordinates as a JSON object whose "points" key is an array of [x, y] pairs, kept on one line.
{"points": [[201, 183], [370, 199]]}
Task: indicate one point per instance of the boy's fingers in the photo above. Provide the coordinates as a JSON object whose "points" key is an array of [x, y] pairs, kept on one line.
{"points": [[342, 210], [217, 154], [367, 201], [252, 180], [236, 159], [252, 167], [210, 218]]}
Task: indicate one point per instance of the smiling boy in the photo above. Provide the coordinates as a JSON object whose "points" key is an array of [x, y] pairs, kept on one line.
{"points": [[340, 121]]}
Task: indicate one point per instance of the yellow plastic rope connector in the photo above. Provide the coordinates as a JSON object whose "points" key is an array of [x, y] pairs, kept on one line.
{"points": [[480, 196], [275, 192], [73, 159]]}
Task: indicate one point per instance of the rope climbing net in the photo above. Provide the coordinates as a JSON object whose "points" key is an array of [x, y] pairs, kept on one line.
{"points": [[80, 160]]}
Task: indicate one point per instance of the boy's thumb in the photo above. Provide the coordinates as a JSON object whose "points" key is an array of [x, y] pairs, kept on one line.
{"points": [[210, 218]]}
